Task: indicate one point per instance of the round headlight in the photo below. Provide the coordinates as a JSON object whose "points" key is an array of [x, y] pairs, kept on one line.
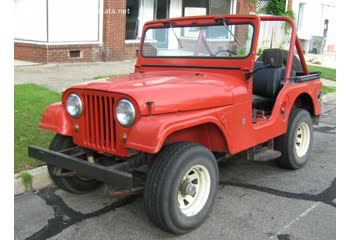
{"points": [[125, 112], [74, 105]]}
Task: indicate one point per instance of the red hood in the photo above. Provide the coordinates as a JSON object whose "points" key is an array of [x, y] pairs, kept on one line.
{"points": [[169, 91]]}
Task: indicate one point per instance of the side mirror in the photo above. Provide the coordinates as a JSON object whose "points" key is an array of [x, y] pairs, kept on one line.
{"points": [[273, 58]]}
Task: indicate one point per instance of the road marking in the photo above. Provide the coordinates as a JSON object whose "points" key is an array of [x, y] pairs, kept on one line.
{"points": [[306, 212]]}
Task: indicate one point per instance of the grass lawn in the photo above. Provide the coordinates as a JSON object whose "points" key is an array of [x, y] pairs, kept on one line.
{"points": [[328, 89], [327, 73], [110, 75], [30, 102], [106, 75]]}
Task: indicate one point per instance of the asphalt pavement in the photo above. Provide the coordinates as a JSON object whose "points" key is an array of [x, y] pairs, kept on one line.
{"points": [[256, 200]]}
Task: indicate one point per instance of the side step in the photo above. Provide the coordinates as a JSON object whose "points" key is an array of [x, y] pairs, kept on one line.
{"points": [[263, 152]]}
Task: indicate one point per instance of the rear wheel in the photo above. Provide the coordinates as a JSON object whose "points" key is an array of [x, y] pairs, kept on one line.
{"points": [[296, 144], [181, 187], [73, 184]]}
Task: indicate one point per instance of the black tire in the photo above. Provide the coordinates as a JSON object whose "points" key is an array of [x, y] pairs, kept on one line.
{"points": [[292, 158], [70, 184], [165, 179]]}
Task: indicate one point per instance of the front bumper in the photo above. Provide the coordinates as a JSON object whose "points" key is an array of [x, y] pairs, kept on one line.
{"points": [[107, 174]]}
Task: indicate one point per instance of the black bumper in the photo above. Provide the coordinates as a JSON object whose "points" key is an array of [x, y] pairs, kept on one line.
{"points": [[84, 168]]}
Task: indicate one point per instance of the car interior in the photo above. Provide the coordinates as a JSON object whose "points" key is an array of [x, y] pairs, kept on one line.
{"points": [[268, 79]]}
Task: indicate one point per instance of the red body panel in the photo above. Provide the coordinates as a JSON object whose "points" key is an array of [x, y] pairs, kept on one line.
{"points": [[169, 90], [56, 119], [194, 99]]}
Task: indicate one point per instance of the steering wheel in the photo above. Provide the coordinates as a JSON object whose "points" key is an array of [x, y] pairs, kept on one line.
{"points": [[230, 52]]}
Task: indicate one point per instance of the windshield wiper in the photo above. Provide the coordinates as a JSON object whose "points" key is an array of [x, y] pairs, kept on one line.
{"points": [[177, 38], [223, 20]]}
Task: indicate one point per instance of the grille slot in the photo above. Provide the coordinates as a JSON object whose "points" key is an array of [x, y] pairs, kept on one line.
{"points": [[99, 126]]}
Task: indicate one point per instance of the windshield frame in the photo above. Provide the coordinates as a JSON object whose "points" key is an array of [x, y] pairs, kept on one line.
{"points": [[169, 26]]}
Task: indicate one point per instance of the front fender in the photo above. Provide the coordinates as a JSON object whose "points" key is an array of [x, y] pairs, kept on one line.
{"points": [[150, 132], [56, 119]]}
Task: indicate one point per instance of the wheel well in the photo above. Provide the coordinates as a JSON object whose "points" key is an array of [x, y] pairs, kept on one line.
{"points": [[207, 134], [305, 101]]}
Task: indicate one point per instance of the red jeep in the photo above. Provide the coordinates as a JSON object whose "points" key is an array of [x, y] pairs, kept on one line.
{"points": [[199, 94]]}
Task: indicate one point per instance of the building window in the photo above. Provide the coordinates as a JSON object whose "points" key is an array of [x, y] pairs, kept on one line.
{"points": [[141, 11], [132, 23], [162, 9], [219, 7], [138, 13], [52, 21], [192, 8], [75, 54], [203, 7]]}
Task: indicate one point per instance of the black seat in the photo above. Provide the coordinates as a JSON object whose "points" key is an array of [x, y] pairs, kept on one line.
{"points": [[296, 66], [267, 83], [263, 103]]}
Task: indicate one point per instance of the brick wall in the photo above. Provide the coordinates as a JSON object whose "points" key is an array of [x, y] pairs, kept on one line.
{"points": [[61, 53], [245, 6], [30, 52], [57, 53]]}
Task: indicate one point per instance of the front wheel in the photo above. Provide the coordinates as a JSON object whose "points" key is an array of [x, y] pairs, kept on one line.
{"points": [[296, 144], [72, 184], [181, 187]]}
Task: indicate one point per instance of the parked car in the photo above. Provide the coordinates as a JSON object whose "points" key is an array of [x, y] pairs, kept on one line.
{"points": [[198, 95]]}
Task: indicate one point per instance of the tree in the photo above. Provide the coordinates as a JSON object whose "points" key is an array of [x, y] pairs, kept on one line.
{"points": [[277, 7]]}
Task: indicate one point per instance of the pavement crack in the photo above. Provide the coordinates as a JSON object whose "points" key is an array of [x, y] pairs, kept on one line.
{"points": [[325, 113], [66, 216], [283, 237], [327, 196]]}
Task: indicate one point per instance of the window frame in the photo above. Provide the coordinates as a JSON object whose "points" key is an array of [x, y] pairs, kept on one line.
{"points": [[143, 40]]}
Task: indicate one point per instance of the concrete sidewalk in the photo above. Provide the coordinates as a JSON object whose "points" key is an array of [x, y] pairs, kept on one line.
{"points": [[326, 59], [327, 82], [20, 63], [59, 76]]}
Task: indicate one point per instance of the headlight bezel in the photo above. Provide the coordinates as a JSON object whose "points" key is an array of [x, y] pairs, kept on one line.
{"points": [[132, 111], [80, 105]]}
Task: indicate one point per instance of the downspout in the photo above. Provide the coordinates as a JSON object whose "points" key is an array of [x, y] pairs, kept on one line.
{"points": [[286, 8]]}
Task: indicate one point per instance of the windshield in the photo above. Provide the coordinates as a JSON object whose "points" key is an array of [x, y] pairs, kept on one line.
{"points": [[228, 41]]}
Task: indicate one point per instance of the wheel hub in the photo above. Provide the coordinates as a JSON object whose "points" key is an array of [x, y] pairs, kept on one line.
{"points": [[188, 188]]}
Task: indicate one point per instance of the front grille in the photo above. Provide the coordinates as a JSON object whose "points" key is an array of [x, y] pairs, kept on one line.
{"points": [[99, 126]]}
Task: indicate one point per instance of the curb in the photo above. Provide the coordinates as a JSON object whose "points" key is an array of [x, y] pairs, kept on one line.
{"points": [[40, 179]]}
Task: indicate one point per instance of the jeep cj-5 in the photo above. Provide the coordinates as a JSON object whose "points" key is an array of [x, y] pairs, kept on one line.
{"points": [[199, 94]]}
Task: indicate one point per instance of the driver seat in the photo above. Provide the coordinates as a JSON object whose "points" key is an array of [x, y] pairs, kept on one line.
{"points": [[267, 83]]}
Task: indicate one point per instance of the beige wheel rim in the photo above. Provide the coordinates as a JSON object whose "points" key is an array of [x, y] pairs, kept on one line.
{"points": [[194, 190]]}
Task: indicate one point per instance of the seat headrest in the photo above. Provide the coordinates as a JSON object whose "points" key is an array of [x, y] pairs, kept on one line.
{"points": [[276, 53], [274, 57]]}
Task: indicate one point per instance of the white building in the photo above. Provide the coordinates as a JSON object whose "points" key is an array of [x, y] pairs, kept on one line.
{"points": [[316, 20]]}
